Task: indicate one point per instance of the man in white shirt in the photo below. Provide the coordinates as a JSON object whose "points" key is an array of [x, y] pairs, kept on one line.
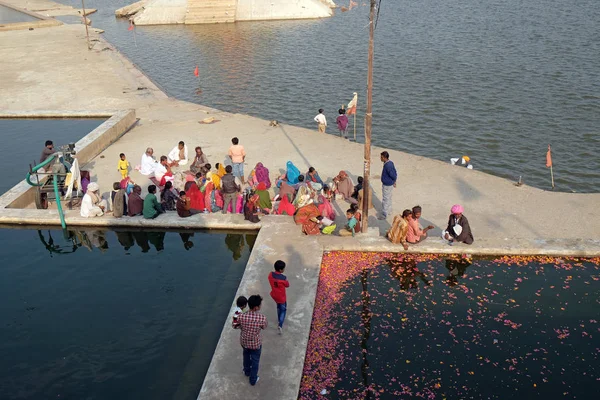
{"points": [[92, 205], [148, 164], [321, 121], [179, 155]]}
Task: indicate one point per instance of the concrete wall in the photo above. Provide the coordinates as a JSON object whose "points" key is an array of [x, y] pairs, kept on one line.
{"points": [[249, 10], [162, 12], [88, 147]]}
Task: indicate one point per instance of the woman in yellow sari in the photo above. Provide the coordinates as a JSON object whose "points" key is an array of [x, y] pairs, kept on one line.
{"points": [[216, 176], [399, 229]]}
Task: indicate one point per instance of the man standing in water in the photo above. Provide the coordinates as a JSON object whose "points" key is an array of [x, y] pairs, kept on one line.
{"points": [[388, 181], [251, 324]]}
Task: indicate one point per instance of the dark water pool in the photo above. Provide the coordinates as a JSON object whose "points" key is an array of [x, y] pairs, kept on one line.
{"points": [[113, 315], [427, 327], [24, 139]]}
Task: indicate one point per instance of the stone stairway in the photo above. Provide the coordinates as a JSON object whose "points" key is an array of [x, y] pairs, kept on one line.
{"points": [[210, 11]]}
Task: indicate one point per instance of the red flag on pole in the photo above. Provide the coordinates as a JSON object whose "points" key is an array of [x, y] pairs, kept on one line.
{"points": [[130, 25], [352, 105], [549, 158], [196, 71]]}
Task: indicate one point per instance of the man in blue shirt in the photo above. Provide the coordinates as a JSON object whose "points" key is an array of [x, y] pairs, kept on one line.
{"points": [[388, 181]]}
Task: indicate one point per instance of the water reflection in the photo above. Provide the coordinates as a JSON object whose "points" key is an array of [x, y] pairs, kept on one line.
{"points": [[407, 273], [97, 239], [456, 268], [235, 243], [185, 238]]}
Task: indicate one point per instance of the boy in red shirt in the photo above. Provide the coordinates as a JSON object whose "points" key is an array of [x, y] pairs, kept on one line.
{"points": [[278, 283]]}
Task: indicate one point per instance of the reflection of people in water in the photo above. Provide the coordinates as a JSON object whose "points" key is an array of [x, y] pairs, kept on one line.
{"points": [[235, 243], [250, 240], [125, 239], [185, 238], [157, 239], [98, 240], [457, 268], [406, 272], [141, 238]]}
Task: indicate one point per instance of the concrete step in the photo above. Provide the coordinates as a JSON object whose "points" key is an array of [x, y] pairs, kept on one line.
{"points": [[210, 11]]}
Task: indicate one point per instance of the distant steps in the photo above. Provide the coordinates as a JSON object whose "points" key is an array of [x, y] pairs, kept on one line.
{"points": [[210, 11]]}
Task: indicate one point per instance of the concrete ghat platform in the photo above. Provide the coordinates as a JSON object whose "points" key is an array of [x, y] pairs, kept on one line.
{"points": [[505, 219]]}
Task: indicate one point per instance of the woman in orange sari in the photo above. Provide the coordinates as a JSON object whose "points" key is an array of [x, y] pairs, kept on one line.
{"points": [[307, 217]]}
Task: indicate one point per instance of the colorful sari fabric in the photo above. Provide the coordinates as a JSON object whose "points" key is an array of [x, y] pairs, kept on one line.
{"points": [[292, 173], [208, 189], [286, 190], [216, 177], [262, 175], [251, 209], [326, 209], [264, 198], [304, 196], [195, 195], [285, 207], [398, 231], [305, 216]]}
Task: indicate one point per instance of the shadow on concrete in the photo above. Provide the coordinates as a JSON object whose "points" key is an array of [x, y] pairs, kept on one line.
{"points": [[467, 191], [308, 163]]}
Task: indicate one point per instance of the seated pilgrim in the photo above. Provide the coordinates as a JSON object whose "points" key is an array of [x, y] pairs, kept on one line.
{"points": [[149, 163], [179, 155], [92, 205]]}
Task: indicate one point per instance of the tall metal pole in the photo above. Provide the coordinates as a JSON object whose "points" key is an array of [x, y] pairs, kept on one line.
{"points": [[368, 122], [87, 33]]}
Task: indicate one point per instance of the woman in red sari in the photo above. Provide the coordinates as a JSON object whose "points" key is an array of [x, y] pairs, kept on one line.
{"points": [[195, 195], [285, 207]]}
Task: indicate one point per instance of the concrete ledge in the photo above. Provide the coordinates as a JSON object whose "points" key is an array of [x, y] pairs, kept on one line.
{"points": [[22, 195], [588, 247], [169, 220]]}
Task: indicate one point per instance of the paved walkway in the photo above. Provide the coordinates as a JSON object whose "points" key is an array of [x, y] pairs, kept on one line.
{"points": [[282, 357]]}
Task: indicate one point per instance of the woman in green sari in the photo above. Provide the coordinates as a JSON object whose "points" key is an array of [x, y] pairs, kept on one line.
{"points": [[264, 198]]}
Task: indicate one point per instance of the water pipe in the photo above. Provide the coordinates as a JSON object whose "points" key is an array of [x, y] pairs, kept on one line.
{"points": [[56, 192], [34, 169]]}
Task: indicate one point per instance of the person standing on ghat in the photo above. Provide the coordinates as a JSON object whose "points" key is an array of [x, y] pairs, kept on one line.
{"points": [[388, 181], [321, 121], [251, 323]]}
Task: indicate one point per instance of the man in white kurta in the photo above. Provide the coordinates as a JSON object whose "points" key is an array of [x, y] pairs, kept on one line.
{"points": [[91, 204], [148, 164], [179, 155]]}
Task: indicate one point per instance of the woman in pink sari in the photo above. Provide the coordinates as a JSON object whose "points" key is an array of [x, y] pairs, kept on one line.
{"points": [[262, 175], [325, 208]]}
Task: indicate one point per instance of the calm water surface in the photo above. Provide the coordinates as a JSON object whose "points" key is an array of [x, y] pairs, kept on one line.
{"points": [[31, 134], [113, 315], [495, 80]]}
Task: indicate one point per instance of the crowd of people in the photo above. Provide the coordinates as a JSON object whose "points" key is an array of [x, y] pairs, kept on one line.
{"points": [[188, 186]]}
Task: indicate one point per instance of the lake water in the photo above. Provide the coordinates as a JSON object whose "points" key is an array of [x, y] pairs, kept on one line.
{"points": [[428, 327], [495, 80], [10, 16], [25, 138], [113, 315]]}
